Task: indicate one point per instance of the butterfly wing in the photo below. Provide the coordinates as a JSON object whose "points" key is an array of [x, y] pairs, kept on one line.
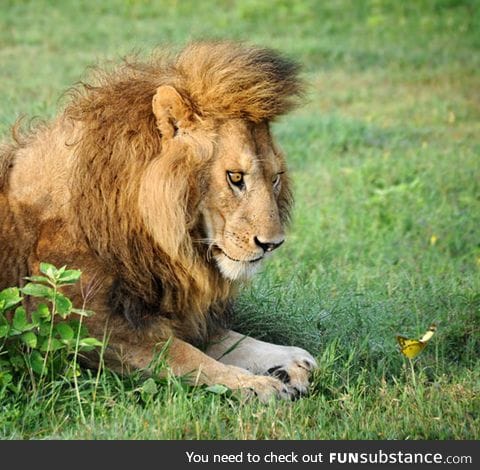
{"points": [[428, 335], [410, 348]]}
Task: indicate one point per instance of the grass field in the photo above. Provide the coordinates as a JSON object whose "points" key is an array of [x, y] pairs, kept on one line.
{"points": [[385, 158]]}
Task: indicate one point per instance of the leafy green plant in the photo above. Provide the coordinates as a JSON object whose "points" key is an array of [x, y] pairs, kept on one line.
{"points": [[48, 339]]}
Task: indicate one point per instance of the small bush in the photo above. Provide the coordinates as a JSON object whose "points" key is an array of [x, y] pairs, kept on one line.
{"points": [[46, 341]]}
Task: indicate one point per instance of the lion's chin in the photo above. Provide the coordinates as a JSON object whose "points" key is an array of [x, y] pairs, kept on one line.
{"points": [[236, 270]]}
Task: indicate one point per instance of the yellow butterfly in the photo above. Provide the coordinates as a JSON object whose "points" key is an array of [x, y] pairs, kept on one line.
{"points": [[411, 348]]}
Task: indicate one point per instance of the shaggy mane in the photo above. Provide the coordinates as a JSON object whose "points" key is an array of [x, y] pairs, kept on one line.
{"points": [[227, 81], [118, 139], [6, 160]]}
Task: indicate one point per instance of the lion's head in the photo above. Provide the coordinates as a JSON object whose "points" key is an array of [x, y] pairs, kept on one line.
{"points": [[219, 116], [177, 174], [246, 208], [237, 184]]}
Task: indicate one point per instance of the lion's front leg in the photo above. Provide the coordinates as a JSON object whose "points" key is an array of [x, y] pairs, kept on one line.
{"points": [[290, 364], [197, 368]]}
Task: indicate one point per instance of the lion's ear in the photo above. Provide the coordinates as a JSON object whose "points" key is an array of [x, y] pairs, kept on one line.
{"points": [[171, 111]]}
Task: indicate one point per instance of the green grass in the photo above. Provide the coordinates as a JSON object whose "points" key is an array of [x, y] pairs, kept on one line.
{"points": [[385, 239]]}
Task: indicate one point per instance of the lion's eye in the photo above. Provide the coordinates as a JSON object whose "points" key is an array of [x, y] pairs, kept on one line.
{"points": [[236, 178], [276, 180]]}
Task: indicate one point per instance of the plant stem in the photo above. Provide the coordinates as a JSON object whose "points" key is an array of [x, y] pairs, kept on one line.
{"points": [[54, 312], [414, 381], [74, 366]]}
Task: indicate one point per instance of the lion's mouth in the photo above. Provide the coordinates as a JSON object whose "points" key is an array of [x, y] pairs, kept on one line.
{"points": [[234, 268], [255, 260]]}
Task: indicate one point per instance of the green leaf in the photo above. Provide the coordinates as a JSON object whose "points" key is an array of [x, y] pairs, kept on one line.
{"points": [[149, 387], [73, 371], [79, 329], [65, 331], [41, 314], [4, 329], [9, 298], [36, 318], [217, 389], [44, 329], [38, 279], [52, 344], [70, 276], [20, 319], [30, 339], [36, 361], [87, 344], [38, 290], [83, 312], [49, 269], [5, 378], [17, 362], [63, 305]]}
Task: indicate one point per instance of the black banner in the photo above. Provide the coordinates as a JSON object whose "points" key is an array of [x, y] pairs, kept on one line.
{"points": [[259, 454]]}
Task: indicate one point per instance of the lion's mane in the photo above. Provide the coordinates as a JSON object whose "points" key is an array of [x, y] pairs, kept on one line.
{"points": [[118, 139]]}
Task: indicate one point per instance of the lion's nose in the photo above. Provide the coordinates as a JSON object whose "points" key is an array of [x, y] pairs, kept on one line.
{"points": [[268, 245]]}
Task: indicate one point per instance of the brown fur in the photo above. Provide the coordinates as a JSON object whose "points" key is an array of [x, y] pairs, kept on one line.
{"points": [[121, 192]]}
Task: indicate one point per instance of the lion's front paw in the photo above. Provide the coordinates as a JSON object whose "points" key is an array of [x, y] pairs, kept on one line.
{"points": [[266, 388], [291, 365], [294, 368], [249, 385]]}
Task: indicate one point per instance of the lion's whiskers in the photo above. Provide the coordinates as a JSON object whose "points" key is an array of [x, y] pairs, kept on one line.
{"points": [[210, 252], [206, 241]]}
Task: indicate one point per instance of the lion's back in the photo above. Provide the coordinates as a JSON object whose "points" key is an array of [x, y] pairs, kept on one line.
{"points": [[33, 189], [14, 249]]}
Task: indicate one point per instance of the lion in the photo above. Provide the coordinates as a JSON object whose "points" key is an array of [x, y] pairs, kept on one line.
{"points": [[162, 183]]}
